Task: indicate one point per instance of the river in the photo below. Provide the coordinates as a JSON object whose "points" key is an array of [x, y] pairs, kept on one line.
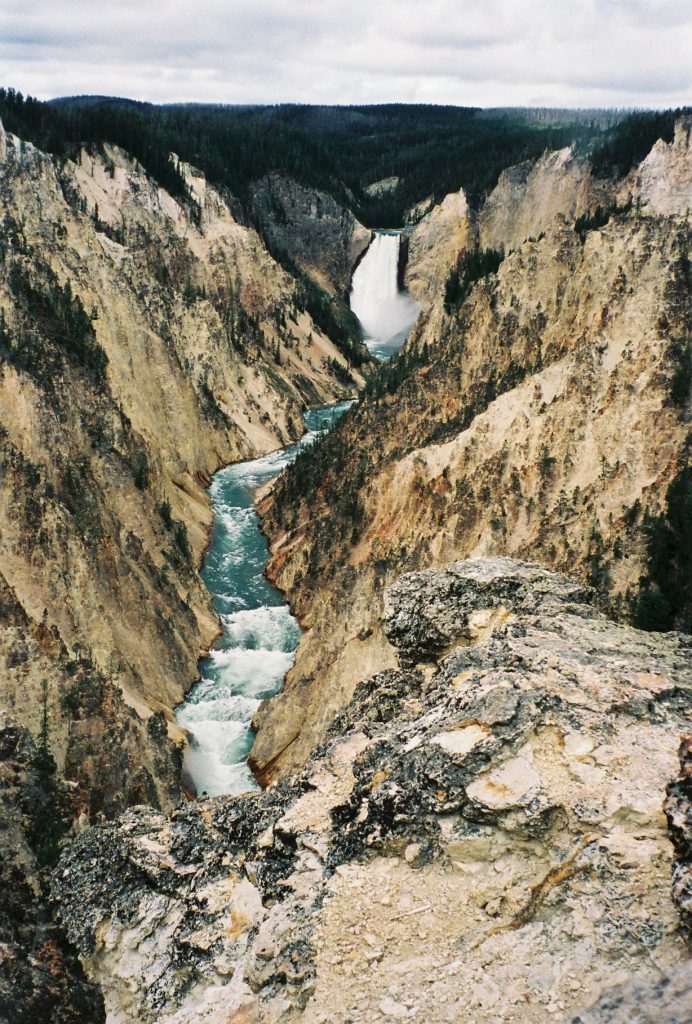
{"points": [[259, 635]]}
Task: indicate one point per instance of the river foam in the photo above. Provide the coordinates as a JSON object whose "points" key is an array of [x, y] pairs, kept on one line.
{"points": [[259, 635]]}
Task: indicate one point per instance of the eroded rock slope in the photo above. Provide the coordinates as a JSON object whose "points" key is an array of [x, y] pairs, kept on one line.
{"points": [[312, 229], [542, 414]]}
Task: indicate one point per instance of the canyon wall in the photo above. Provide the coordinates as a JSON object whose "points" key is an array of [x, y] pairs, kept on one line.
{"points": [[545, 415], [146, 341], [434, 246], [320, 236]]}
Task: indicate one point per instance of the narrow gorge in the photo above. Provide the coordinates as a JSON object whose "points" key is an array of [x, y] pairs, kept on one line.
{"points": [[249, 662]]}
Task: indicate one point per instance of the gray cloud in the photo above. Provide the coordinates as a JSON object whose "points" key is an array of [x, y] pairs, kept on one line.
{"points": [[485, 52]]}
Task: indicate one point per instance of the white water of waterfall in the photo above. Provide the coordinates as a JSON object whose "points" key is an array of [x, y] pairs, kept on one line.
{"points": [[386, 313]]}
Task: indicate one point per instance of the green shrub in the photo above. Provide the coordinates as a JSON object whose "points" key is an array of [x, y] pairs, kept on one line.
{"points": [[140, 470], [181, 541], [470, 268], [599, 218], [681, 382], [164, 510], [389, 376], [546, 462], [664, 601]]}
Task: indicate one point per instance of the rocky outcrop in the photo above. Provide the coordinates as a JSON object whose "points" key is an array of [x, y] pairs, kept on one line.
{"points": [[418, 211], [661, 184], [112, 753], [146, 340], [323, 238], [529, 198], [383, 186], [435, 245], [494, 796]]}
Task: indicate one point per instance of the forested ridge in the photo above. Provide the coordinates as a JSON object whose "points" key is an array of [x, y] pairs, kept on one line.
{"points": [[431, 150]]}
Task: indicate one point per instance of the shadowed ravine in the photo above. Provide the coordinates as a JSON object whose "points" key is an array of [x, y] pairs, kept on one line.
{"points": [[259, 635]]}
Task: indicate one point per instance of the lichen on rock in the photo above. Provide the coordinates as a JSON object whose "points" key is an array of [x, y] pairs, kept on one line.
{"points": [[517, 876], [678, 807]]}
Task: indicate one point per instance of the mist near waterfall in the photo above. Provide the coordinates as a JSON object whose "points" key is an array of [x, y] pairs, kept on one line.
{"points": [[386, 313]]}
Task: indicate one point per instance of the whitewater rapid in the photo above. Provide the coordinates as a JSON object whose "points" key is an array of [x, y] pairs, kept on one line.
{"points": [[259, 635], [385, 311]]}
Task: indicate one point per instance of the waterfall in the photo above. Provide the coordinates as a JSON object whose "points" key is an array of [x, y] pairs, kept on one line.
{"points": [[386, 313]]}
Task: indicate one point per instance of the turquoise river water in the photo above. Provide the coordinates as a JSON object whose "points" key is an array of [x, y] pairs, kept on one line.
{"points": [[259, 635]]}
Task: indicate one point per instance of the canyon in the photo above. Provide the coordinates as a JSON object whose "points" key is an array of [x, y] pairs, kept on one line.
{"points": [[474, 794], [542, 423], [104, 512]]}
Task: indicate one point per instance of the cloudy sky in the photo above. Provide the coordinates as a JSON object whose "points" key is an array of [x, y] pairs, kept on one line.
{"points": [[479, 52]]}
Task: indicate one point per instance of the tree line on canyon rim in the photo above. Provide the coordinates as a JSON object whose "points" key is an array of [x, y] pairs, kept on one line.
{"points": [[427, 151]]}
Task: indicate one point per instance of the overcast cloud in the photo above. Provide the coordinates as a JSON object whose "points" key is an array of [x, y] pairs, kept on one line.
{"points": [[479, 52]]}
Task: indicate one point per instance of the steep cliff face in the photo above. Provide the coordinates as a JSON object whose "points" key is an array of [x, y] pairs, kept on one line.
{"points": [[479, 838], [144, 344], [323, 238], [530, 197], [550, 421], [661, 184], [434, 246]]}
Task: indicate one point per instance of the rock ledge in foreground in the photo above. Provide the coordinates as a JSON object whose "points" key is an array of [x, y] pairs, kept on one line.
{"points": [[480, 838]]}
